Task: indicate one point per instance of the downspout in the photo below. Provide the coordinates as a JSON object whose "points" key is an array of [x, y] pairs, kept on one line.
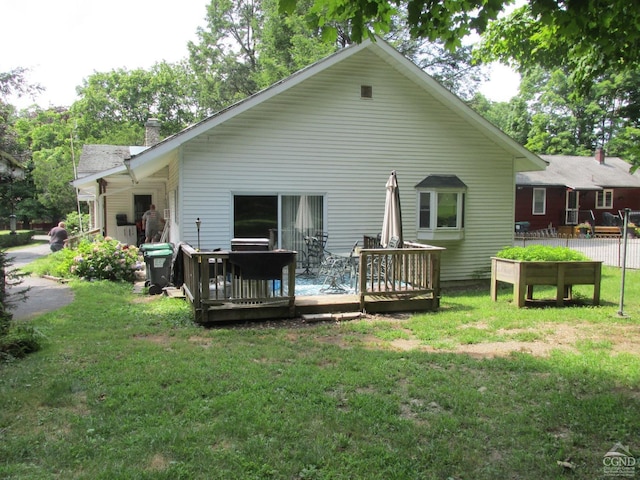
{"points": [[127, 164], [102, 190]]}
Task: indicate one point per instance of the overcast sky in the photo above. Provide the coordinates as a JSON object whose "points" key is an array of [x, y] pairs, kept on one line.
{"points": [[62, 42]]}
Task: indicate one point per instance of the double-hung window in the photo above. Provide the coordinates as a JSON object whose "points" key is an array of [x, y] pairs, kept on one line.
{"points": [[539, 201], [441, 201], [604, 199]]}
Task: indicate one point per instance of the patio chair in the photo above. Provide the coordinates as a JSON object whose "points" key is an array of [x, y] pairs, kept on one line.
{"points": [[335, 269], [315, 252]]}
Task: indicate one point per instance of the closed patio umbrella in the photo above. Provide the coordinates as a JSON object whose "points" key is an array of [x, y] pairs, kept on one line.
{"points": [[392, 223]]}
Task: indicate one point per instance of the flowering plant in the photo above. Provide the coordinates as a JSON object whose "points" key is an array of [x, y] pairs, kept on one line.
{"points": [[106, 259]]}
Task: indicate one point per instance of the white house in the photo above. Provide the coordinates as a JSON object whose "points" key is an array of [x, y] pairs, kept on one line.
{"points": [[314, 151]]}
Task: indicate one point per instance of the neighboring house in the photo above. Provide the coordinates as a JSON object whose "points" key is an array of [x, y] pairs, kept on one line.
{"points": [[576, 189], [313, 153]]}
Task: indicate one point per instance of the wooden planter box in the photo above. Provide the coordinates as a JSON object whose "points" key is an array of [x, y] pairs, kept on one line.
{"points": [[524, 275]]}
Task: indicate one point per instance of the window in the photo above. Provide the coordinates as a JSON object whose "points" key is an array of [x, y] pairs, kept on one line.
{"points": [[539, 201], [441, 201], [285, 219], [604, 199]]}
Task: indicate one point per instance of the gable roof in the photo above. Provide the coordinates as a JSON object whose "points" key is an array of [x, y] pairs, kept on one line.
{"points": [[98, 158], [100, 161], [159, 155], [581, 173]]}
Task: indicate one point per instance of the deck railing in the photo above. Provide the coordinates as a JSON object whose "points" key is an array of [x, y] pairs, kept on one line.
{"points": [[74, 240], [400, 273], [213, 281], [390, 280]]}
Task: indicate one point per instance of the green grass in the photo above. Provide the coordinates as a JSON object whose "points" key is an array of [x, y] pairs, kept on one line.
{"points": [[127, 387]]}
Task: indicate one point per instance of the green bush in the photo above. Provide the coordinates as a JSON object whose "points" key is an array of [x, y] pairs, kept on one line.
{"points": [[18, 341], [20, 238], [72, 223], [541, 253], [105, 259]]}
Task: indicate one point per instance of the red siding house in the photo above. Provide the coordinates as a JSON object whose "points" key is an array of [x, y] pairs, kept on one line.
{"points": [[574, 189]]}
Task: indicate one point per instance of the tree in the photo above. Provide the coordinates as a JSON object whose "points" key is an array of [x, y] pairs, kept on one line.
{"points": [[591, 36], [588, 38], [113, 106], [551, 115], [47, 134], [288, 43], [225, 59], [455, 69]]}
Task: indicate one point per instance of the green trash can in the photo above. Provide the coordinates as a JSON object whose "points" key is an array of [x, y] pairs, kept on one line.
{"points": [[158, 264], [148, 247]]}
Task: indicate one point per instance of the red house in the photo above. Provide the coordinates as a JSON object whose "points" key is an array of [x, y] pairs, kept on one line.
{"points": [[574, 189]]}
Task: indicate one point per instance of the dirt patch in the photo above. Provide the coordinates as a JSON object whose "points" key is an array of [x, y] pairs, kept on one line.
{"points": [[548, 337], [157, 339], [566, 338]]}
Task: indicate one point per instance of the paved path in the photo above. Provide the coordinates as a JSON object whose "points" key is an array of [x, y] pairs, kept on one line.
{"points": [[45, 295]]}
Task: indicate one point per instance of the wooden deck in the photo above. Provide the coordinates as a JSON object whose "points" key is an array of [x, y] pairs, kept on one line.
{"points": [[220, 288]]}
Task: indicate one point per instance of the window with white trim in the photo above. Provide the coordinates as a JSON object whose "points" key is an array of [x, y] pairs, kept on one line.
{"points": [[539, 201], [604, 198], [441, 201]]}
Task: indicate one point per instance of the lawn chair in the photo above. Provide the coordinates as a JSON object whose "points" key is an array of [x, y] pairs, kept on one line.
{"points": [[315, 252], [335, 270]]}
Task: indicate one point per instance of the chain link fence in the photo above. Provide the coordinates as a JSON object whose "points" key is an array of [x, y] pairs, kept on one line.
{"points": [[609, 250]]}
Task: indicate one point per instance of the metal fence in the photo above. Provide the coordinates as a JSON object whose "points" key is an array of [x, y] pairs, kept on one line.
{"points": [[609, 250]]}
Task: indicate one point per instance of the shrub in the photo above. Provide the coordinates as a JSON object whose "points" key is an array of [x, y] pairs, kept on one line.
{"points": [[73, 221], [21, 237], [105, 259], [16, 340], [541, 253]]}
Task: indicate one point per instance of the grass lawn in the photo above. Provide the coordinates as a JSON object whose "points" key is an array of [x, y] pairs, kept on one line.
{"points": [[127, 387]]}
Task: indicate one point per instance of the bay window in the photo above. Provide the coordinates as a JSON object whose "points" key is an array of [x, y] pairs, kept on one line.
{"points": [[441, 200]]}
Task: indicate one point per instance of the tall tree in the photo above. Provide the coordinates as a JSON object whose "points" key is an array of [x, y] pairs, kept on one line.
{"points": [[590, 35], [455, 69], [225, 59], [48, 135], [113, 106], [551, 115]]}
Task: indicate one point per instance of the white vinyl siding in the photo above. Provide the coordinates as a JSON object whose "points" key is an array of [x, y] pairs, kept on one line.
{"points": [[343, 148]]}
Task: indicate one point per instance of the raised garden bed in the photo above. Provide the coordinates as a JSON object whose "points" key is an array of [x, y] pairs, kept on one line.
{"points": [[563, 274]]}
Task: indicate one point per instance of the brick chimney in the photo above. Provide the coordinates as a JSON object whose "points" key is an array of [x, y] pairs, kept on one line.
{"points": [[151, 132], [600, 155]]}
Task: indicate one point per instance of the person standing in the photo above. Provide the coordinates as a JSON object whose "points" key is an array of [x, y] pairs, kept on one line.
{"points": [[151, 224], [59, 237]]}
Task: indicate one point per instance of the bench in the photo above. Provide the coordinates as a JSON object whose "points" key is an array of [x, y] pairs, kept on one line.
{"points": [[602, 231]]}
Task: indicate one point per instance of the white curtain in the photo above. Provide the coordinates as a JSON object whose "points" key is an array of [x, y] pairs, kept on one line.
{"points": [[301, 215]]}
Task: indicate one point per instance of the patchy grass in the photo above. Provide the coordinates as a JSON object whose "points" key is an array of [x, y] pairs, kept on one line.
{"points": [[132, 389]]}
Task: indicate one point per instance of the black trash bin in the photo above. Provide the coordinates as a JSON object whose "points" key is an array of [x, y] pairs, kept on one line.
{"points": [[158, 264]]}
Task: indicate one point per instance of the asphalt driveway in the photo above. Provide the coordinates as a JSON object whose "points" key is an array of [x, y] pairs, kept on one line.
{"points": [[44, 295]]}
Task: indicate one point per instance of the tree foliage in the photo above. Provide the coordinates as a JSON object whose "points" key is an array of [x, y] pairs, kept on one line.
{"points": [[48, 135], [553, 115], [590, 36], [113, 106]]}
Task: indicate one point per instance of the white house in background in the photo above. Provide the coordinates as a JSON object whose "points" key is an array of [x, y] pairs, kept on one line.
{"points": [[313, 153]]}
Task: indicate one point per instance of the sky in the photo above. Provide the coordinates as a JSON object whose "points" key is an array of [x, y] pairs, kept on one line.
{"points": [[62, 42]]}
